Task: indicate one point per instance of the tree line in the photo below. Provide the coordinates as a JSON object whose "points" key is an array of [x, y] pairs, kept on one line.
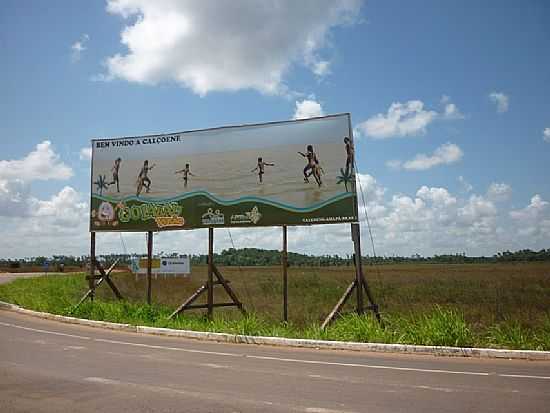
{"points": [[261, 257]]}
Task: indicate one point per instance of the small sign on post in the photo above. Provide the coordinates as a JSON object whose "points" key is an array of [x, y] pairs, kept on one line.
{"points": [[174, 266]]}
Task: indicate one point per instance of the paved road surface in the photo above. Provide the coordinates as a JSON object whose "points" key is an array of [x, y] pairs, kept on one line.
{"points": [[46, 366]]}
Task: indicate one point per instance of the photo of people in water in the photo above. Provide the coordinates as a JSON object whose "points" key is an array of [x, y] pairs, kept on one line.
{"points": [[297, 163]]}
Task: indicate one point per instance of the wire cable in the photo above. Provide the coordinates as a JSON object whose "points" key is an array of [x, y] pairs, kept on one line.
{"points": [[247, 292], [374, 262]]}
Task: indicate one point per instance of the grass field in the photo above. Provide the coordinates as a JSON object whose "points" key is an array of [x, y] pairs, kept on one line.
{"points": [[495, 305]]}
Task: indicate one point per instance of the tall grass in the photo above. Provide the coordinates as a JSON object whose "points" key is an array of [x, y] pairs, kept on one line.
{"points": [[503, 306]]}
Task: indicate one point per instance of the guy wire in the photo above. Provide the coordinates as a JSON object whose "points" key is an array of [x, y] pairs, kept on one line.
{"points": [[241, 272], [374, 256]]}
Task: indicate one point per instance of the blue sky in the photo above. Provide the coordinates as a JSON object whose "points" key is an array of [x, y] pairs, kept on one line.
{"points": [[446, 168]]}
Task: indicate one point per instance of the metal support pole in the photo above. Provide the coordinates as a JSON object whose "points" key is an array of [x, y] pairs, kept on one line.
{"points": [[149, 264], [210, 272], [91, 280], [356, 237], [285, 274]]}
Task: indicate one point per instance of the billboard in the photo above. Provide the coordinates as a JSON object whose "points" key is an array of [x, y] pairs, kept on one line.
{"points": [[281, 173]]}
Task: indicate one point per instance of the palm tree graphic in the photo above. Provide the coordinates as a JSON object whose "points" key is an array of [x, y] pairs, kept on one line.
{"points": [[101, 184], [347, 177]]}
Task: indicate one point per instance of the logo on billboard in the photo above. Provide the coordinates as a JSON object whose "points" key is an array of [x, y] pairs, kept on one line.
{"points": [[104, 215], [211, 217], [105, 212], [251, 217]]}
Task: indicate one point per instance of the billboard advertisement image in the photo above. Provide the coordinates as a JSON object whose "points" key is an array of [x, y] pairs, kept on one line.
{"points": [[282, 173]]}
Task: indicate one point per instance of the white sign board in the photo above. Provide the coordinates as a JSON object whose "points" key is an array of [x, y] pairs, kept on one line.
{"points": [[180, 265]]}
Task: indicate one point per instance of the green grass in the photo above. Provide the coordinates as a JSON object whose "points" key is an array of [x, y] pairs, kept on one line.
{"points": [[499, 306]]}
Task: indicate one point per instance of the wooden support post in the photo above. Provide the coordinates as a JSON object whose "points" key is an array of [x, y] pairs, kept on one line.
{"points": [[359, 284], [339, 305], [284, 263], [225, 284], [91, 281], [94, 281], [210, 282], [149, 264], [208, 287], [356, 237]]}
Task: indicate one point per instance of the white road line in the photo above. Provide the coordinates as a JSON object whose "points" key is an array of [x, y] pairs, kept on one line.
{"points": [[37, 330], [322, 410], [370, 366], [281, 359], [525, 376]]}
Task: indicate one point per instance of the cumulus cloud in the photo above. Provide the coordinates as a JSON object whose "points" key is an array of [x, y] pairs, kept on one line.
{"points": [[40, 164], [307, 108], [78, 47], [500, 100], [14, 196], [499, 192], [430, 220], [546, 135], [534, 220], [446, 154], [402, 119], [225, 46], [85, 154], [58, 225], [64, 208], [407, 119], [534, 210]]}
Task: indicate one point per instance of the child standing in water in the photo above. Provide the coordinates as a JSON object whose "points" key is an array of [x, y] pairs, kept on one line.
{"points": [[260, 168], [143, 179], [114, 170], [312, 166], [186, 173], [349, 154]]}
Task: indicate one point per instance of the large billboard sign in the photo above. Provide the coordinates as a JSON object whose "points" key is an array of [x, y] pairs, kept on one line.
{"points": [[282, 173]]}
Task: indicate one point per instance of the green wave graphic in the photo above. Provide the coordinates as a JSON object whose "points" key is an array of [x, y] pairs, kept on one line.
{"points": [[224, 202]]}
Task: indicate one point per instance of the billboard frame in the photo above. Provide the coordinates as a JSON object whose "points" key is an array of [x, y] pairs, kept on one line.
{"points": [[359, 284]]}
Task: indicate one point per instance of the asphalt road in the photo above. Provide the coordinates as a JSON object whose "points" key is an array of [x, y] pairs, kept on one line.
{"points": [[47, 366]]}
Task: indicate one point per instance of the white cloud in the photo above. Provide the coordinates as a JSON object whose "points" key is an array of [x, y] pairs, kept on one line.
{"points": [[446, 154], [14, 196], [86, 154], [407, 119], [78, 47], [394, 164], [438, 196], [307, 108], [533, 221], [41, 164], [451, 111], [534, 210], [64, 208], [500, 100], [402, 119], [321, 68], [546, 135], [224, 46], [466, 186], [430, 221], [499, 192]]}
